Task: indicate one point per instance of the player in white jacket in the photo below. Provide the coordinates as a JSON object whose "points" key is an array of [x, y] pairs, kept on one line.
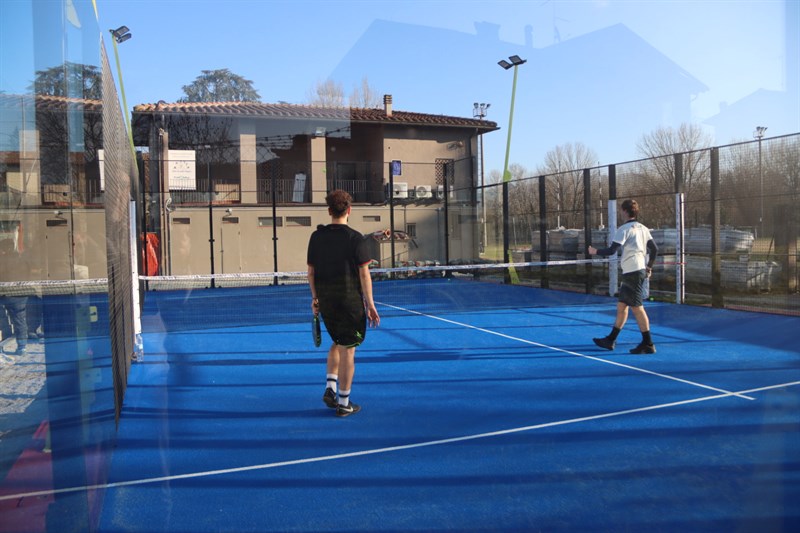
{"points": [[638, 257]]}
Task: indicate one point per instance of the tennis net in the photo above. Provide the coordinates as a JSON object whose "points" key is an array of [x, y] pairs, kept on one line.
{"points": [[240, 300]]}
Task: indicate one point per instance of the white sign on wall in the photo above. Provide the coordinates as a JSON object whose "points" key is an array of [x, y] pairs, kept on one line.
{"points": [[181, 170]]}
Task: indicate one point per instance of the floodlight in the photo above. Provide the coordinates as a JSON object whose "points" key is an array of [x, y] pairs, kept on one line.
{"points": [[121, 34]]}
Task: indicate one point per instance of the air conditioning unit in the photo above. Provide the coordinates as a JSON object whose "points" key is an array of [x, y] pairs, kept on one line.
{"points": [[423, 191], [440, 192], [400, 190]]}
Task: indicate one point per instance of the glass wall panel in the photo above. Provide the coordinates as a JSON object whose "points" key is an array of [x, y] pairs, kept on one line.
{"points": [[56, 379]]}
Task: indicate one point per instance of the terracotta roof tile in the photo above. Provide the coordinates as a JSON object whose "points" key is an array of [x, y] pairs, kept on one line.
{"points": [[293, 111]]}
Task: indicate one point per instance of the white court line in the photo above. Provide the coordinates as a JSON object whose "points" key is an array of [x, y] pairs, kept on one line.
{"points": [[554, 348], [387, 449]]}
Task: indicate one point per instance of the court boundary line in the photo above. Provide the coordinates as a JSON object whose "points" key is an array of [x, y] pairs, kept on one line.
{"points": [[570, 352], [389, 449]]}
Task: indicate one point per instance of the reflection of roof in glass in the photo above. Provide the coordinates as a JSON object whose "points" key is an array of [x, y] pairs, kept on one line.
{"points": [[45, 102]]}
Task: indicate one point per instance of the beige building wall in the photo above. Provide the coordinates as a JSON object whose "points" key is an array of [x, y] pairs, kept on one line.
{"points": [[249, 172], [243, 240], [55, 238]]}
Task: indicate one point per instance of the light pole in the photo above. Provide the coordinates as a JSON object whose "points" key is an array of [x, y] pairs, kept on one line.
{"points": [[479, 111], [121, 35], [513, 61], [759, 134]]}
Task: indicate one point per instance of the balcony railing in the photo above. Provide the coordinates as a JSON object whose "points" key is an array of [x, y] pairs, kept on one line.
{"points": [[357, 188], [286, 191]]}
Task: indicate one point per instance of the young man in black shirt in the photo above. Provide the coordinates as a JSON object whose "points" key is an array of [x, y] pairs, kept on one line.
{"points": [[341, 290]]}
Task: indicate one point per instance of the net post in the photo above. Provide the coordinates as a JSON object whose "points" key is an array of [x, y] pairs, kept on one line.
{"points": [[680, 187], [138, 349], [680, 266], [391, 213], [210, 217]]}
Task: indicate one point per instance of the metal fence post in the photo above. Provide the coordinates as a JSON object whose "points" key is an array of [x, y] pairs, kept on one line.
{"points": [[717, 299], [613, 274]]}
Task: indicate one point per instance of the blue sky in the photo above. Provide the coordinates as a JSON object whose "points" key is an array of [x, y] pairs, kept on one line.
{"points": [[733, 48]]}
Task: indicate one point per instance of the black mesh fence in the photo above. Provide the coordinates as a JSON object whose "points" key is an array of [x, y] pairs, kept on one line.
{"points": [[121, 185], [725, 219]]}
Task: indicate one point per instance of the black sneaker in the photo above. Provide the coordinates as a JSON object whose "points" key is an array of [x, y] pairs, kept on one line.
{"points": [[644, 348], [605, 343], [330, 398], [348, 410]]}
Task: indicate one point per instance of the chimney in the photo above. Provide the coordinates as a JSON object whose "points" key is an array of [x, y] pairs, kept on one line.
{"points": [[387, 104]]}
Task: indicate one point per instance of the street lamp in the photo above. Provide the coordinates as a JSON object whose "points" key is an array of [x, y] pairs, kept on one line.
{"points": [[479, 111], [513, 61], [759, 134]]}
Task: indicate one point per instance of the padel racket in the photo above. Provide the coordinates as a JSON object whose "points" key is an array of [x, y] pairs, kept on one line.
{"points": [[316, 332]]}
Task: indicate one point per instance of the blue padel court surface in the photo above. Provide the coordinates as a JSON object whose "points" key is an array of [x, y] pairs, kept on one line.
{"points": [[484, 408]]}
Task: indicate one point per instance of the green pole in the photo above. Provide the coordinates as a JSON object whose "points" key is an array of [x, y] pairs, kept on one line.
{"points": [[506, 173], [511, 274], [124, 101]]}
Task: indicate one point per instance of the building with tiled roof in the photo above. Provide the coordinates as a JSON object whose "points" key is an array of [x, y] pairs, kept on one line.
{"points": [[256, 159], [308, 112]]}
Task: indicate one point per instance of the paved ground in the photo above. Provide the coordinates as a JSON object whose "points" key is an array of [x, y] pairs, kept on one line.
{"points": [[22, 379]]}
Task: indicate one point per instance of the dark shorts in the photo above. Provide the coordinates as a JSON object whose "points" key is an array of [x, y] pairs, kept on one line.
{"points": [[346, 322], [631, 292]]}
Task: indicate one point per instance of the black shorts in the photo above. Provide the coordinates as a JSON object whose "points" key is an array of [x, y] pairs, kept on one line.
{"points": [[345, 321], [631, 292]]}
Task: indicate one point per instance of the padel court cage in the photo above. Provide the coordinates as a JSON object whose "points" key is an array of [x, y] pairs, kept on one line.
{"points": [[86, 220], [725, 220]]}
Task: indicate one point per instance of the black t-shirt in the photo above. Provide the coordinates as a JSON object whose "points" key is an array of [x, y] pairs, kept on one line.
{"points": [[336, 251]]}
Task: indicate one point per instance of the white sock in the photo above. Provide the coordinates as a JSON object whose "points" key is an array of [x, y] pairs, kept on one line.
{"points": [[332, 379], [344, 398]]}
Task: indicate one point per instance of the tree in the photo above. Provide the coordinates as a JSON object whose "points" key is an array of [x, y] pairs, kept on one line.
{"points": [[365, 96], [327, 93], [563, 167], [74, 80], [220, 85], [494, 219], [657, 173], [667, 140], [523, 203]]}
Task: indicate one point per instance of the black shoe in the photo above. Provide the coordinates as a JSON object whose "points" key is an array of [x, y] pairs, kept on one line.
{"points": [[605, 343], [330, 398], [644, 348], [348, 410]]}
